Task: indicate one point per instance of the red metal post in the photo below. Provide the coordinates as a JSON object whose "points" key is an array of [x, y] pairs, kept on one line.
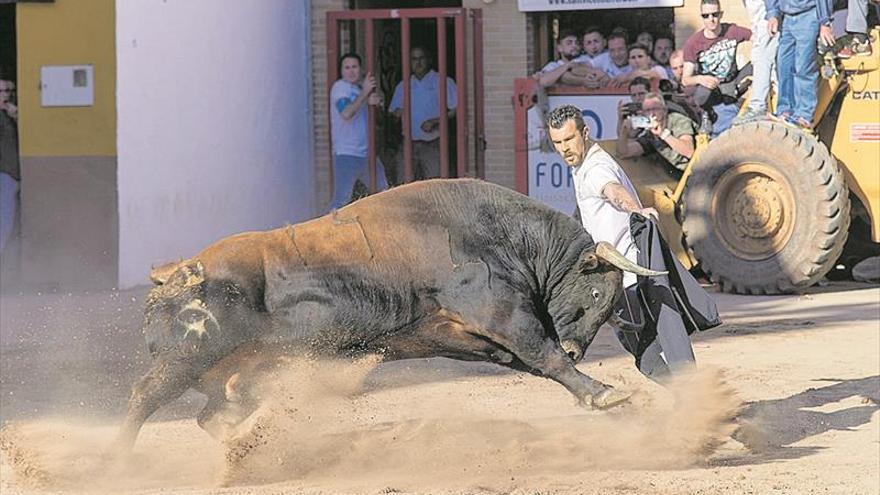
{"points": [[461, 116], [332, 76], [441, 97], [479, 131], [407, 116], [371, 110]]}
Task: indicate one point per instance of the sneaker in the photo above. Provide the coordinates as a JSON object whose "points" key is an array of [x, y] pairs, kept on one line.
{"points": [[750, 115], [857, 48]]}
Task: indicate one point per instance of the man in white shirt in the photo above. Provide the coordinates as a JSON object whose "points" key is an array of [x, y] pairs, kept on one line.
{"points": [[424, 114], [606, 198]]}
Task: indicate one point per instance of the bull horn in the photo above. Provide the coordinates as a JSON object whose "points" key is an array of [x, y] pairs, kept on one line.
{"points": [[608, 253]]}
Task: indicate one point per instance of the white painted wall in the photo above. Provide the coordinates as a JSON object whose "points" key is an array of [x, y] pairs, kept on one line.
{"points": [[214, 124]]}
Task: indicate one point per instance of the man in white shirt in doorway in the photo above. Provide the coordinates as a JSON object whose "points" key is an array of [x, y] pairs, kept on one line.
{"points": [[425, 114], [606, 198]]}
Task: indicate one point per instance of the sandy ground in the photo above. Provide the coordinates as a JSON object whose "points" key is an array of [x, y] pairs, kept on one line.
{"points": [[786, 402]]}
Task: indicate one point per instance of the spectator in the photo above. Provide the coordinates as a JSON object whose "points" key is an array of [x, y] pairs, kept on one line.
{"points": [[424, 114], [803, 21], [676, 65], [9, 166], [643, 65], [618, 53], [593, 49], [763, 60], [568, 48], [662, 50], [710, 65], [671, 135], [646, 39], [349, 98], [857, 25], [638, 88]]}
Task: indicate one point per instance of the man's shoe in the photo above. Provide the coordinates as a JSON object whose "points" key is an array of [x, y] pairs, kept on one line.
{"points": [[803, 123], [750, 115]]}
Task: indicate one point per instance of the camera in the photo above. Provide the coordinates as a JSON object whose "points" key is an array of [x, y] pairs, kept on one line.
{"points": [[632, 108], [639, 122]]}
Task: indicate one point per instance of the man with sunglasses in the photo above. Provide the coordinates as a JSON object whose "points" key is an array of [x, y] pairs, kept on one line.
{"points": [[710, 64]]}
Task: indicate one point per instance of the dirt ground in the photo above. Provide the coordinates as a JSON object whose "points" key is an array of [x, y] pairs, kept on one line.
{"points": [[786, 402]]}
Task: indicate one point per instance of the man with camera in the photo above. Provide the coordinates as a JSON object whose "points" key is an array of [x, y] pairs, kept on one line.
{"points": [[654, 128]]}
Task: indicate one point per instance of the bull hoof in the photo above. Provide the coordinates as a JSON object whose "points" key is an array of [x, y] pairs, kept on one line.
{"points": [[572, 349], [609, 398]]}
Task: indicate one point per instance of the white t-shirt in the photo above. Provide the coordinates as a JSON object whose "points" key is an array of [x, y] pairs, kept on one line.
{"points": [[600, 218], [600, 61], [614, 71], [349, 136], [423, 99]]}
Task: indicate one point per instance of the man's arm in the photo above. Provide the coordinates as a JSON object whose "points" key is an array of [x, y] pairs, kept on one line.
{"points": [[621, 199], [550, 78], [689, 79]]}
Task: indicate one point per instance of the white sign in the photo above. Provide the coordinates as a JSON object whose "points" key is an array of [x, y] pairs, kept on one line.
{"points": [[550, 5], [550, 179], [67, 86]]}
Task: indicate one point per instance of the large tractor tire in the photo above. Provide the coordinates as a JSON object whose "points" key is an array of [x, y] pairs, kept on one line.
{"points": [[766, 210]]}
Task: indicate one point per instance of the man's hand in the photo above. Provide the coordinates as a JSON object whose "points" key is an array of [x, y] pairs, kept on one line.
{"points": [[650, 213], [430, 125], [710, 82], [826, 35], [773, 25], [369, 84], [10, 110]]}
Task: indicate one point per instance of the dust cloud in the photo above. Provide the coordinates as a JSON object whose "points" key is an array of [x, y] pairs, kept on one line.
{"points": [[318, 427]]}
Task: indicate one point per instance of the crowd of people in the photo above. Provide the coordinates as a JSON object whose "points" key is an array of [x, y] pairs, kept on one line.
{"points": [[702, 81]]}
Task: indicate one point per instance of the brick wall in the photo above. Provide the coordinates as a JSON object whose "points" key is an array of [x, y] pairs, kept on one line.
{"points": [[505, 58], [321, 151]]}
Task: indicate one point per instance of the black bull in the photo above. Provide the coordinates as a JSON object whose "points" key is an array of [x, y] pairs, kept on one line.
{"points": [[455, 268]]}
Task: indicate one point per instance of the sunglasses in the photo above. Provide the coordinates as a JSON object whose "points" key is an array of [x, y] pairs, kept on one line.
{"points": [[712, 14]]}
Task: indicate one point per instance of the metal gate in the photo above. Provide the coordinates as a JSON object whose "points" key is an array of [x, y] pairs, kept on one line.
{"points": [[358, 27]]}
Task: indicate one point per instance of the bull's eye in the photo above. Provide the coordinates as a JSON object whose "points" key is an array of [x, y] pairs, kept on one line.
{"points": [[595, 294]]}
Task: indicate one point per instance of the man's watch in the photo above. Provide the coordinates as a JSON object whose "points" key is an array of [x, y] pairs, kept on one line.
{"points": [[665, 134]]}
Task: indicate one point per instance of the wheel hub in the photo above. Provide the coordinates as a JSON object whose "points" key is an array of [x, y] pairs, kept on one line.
{"points": [[753, 209]]}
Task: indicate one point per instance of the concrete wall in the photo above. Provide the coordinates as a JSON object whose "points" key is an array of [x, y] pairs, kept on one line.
{"points": [[215, 120], [69, 224]]}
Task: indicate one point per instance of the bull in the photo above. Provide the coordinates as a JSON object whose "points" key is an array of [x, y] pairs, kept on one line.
{"points": [[461, 269]]}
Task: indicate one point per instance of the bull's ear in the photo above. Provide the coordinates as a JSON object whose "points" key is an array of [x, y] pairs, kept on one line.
{"points": [[588, 263], [160, 274]]}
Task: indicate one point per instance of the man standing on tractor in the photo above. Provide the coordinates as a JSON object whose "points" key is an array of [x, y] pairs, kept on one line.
{"points": [[802, 23], [648, 318]]}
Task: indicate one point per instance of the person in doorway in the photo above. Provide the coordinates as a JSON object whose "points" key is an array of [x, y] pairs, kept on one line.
{"points": [[646, 39], [609, 210], [9, 164], [349, 98], [424, 114]]}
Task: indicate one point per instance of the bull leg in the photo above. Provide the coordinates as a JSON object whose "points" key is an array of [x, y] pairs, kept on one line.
{"points": [[227, 409], [165, 382], [524, 337]]}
